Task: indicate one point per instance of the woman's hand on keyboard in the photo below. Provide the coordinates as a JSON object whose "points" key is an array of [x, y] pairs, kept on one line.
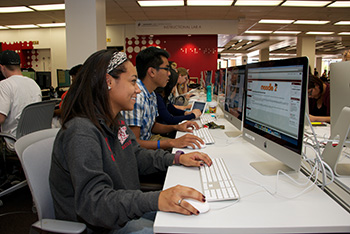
{"points": [[187, 126], [195, 159], [187, 140], [170, 200]]}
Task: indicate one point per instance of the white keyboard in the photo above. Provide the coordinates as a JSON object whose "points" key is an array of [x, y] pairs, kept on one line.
{"points": [[217, 183], [205, 119], [205, 135]]}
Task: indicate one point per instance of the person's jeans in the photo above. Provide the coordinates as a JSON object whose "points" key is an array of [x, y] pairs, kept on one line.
{"points": [[143, 225]]}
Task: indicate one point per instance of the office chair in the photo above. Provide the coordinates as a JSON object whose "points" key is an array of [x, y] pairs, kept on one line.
{"points": [[34, 151], [34, 117]]}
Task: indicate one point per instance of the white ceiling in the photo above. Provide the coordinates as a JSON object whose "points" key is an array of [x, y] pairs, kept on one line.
{"points": [[128, 11]]}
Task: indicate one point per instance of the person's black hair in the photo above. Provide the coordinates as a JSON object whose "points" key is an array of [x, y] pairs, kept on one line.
{"points": [[74, 70], [313, 81], [166, 91], [149, 57], [88, 95]]}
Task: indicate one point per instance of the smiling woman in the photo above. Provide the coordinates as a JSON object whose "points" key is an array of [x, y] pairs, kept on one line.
{"points": [[96, 160]]}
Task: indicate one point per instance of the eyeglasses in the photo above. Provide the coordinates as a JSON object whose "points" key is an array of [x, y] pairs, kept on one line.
{"points": [[165, 68]]}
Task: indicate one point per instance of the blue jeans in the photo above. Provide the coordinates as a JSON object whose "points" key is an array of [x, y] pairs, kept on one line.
{"points": [[143, 225]]}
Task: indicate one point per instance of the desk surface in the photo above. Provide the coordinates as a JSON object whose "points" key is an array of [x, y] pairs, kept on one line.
{"points": [[257, 211]]}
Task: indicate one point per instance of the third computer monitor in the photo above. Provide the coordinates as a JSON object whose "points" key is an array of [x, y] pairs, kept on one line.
{"points": [[274, 111], [234, 97]]}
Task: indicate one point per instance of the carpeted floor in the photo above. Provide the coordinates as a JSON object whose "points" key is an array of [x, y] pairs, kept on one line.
{"points": [[16, 215]]}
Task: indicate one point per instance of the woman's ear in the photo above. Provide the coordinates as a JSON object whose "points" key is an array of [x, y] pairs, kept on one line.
{"points": [[108, 80]]}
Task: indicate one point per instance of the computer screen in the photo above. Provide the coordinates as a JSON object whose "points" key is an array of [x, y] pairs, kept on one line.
{"points": [[63, 78], [216, 83], [222, 80], [43, 79], [274, 111], [30, 74], [234, 97], [208, 78], [199, 105]]}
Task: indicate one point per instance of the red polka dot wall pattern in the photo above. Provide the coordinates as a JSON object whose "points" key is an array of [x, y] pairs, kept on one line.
{"points": [[196, 52], [135, 44], [23, 49]]}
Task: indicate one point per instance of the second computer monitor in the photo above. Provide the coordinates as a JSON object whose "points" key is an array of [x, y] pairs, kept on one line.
{"points": [[63, 78], [234, 97], [43, 79], [274, 111]]}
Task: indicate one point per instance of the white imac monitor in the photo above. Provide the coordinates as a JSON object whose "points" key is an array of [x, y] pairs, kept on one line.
{"points": [[340, 89], [340, 118], [274, 112], [234, 97]]}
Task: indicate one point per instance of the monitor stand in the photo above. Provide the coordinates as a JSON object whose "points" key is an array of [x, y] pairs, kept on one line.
{"points": [[332, 153], [271, 167], [233, 133]]}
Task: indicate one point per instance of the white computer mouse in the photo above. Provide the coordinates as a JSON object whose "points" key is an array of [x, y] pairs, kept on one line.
{"points": [[196, 147], [202, 207]]}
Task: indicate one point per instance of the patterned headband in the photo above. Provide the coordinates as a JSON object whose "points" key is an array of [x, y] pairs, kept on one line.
{"points": [[117, 59]]}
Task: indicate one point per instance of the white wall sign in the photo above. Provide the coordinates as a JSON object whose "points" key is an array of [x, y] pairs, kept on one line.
{"points": [[179, 27]]}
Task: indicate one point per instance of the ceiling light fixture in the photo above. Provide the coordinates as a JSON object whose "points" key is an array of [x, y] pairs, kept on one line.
{"points": [[22, 26], [344, 33], [160, 3], [50, 7], [319, 33], [209, 3], [2, 27], [52, 25], [257, 3], [15, 9], [340, 4], [305, 3], [287, 32], [311, 22], [275, 21], [258, 32], [342, 23]]}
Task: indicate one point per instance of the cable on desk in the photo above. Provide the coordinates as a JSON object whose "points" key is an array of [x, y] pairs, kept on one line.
{"points": [[319, 163], [224, 207], [317, 167]]}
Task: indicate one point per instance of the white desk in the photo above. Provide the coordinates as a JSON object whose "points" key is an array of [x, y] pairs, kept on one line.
{"points": [[257, 211]]}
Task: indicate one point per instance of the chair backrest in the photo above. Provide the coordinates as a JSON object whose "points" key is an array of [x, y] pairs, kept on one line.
{"points": [[35, 117], [34, 151]]}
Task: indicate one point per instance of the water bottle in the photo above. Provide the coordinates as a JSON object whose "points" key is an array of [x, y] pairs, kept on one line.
{"points": [[209, 93]]}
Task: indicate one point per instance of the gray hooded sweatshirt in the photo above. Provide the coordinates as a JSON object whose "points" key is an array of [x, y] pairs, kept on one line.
{"points": [[94, 176]]}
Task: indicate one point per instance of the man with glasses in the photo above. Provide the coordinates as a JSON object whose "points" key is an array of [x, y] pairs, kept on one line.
{"points": [[153, 71]]}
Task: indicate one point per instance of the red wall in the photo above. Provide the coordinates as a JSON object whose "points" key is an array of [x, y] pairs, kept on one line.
{"points": [[196, 52], [24, 49]]}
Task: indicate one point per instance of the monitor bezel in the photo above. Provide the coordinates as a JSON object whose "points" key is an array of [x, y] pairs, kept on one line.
{"points": [[66, 77], [39, 75], [237, 122]]}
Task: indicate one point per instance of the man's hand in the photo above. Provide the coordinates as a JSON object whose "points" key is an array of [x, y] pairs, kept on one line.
{"points": [[187, 126]]}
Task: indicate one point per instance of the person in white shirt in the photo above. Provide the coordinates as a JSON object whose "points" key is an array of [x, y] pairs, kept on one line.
{"points": [[16, 92]]}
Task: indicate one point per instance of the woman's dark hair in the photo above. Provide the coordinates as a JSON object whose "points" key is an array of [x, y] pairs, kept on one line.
{"points": [[149, 57], [166, 91], [74, 70], [313, 80], [88, 95]]}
